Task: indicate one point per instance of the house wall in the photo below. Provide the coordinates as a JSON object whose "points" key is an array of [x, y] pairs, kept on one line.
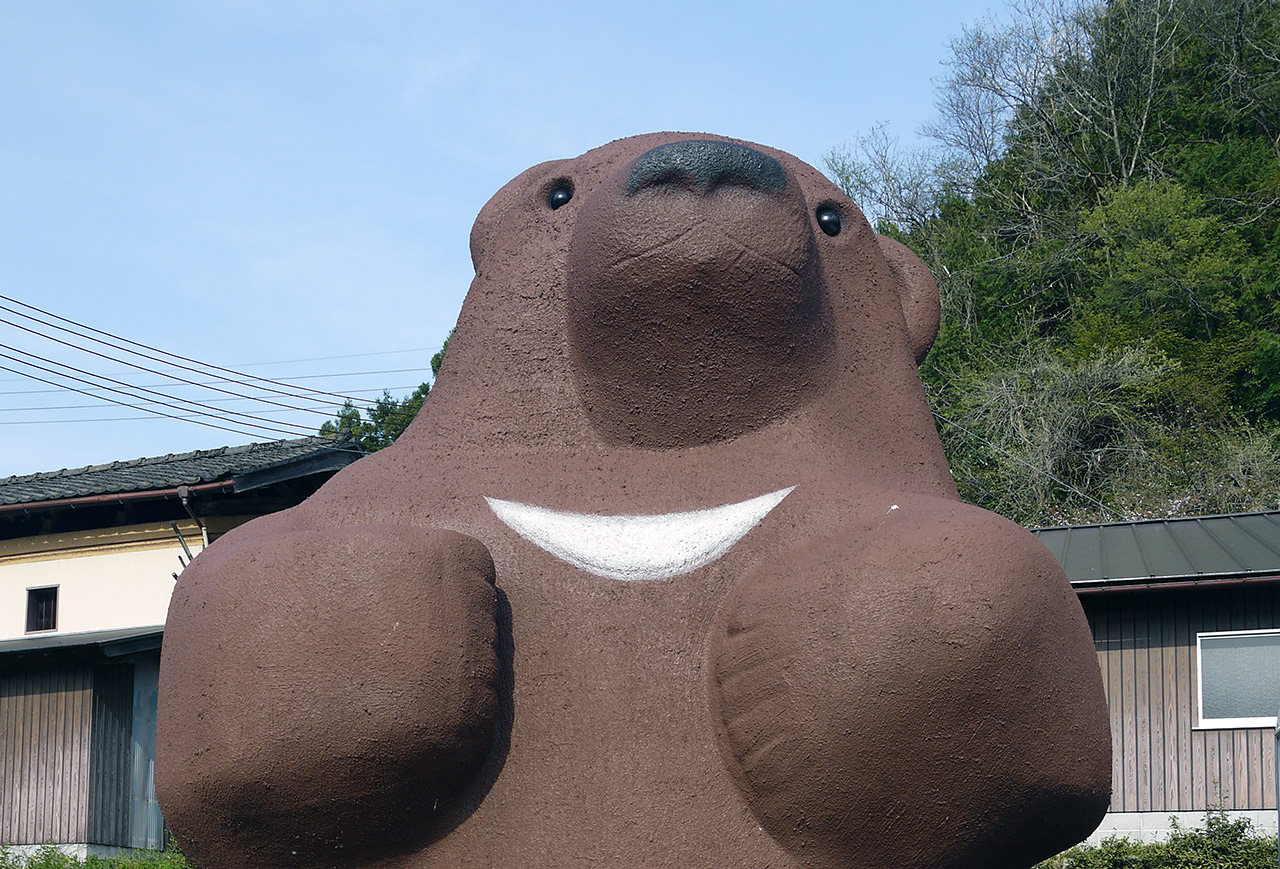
{"points": [[110, 760], [46, 713], [146, 825], [1162, 762], [77, 750], [115, 578]]}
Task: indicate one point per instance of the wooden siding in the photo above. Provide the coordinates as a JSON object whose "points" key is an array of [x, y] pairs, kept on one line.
{"points": [[111, 757], [45, 719], [1146, 643]]}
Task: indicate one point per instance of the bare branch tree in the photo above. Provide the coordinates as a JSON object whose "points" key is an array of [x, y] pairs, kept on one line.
{"points": [[1072, 86], [889, 181]]}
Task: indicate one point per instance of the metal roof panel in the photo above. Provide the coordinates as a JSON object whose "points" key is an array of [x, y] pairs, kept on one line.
{"points": [[41, 642], [1240, 545]]}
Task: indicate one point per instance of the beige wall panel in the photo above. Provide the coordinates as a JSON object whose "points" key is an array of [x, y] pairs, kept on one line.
{"points": [[99, 591]]}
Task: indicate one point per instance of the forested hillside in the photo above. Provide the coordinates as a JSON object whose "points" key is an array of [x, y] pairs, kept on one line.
{"points": [[1102, 212]]}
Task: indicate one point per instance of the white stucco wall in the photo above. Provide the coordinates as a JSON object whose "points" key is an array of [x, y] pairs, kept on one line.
{"points": [[97, 590]]}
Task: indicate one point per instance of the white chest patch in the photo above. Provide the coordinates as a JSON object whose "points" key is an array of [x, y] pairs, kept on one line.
{"points": [[637, 547]]}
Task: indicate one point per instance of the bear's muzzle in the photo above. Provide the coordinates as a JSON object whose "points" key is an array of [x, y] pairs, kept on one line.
{"points": [[695, 296]]}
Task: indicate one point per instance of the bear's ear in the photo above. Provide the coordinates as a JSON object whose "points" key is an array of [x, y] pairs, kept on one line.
{"points": [[917, 293]]}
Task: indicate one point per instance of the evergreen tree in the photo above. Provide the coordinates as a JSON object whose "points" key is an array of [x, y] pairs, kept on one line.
{"points": [[378, 425], [1102, 211]]}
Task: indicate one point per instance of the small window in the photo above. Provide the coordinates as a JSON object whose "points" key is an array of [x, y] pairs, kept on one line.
{"points": [[1239, 678], [42, 609]]}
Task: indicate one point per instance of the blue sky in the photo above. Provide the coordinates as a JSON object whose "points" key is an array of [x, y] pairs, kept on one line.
{"points": [[264, 185]]}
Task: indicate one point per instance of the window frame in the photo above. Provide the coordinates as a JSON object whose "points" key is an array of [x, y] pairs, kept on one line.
{"points": [[31, 609], [1203, 723]]}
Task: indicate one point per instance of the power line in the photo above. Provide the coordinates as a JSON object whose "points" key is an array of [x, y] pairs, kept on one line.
{"points": [[298, 377], [43, 407], [184, 416], [239, 376], [344, 356], [161, 400], [151, 370], [165, 402], [251, 434]]}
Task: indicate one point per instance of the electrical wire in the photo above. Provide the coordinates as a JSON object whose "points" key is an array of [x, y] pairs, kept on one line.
{"points": [[252, 434], [149, 400], [297, 377], [343, 356], [197, 406], [141, 407], [175, 378], [38, 408], [239, 375]]}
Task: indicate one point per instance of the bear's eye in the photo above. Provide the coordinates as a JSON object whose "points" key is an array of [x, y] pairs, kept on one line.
{"points": [[829, 220], [559, 195]]}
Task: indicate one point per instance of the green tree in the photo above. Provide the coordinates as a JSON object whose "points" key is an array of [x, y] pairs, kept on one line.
{"points": [[1154, 252], [1101, 209], [379, 424]]}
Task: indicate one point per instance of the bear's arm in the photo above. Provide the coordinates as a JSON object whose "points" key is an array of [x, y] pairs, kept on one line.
{"points": [[928, 683], [324, 692]]}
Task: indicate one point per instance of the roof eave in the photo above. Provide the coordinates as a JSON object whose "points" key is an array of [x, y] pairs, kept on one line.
{"points": [[1147, 583], [118, 497], [319, 462]]}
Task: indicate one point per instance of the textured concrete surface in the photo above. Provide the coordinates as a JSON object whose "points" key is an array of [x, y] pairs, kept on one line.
{"points": [[866, 672], [1158, 826]]}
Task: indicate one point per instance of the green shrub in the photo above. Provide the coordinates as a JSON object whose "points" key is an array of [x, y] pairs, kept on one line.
{"points": [[49, 857], [1220, 843]]}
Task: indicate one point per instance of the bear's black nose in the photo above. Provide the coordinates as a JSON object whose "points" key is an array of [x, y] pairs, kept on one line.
{"points": [[703, 165]]}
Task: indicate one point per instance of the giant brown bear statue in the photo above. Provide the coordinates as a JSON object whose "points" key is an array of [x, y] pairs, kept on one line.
{"points": [[669, 572]]}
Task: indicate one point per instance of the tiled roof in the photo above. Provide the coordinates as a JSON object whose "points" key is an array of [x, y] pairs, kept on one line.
{"points": [[1168, 551], [165, 472]]}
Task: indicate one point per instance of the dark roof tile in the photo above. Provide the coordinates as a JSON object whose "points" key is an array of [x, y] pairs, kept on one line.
{"points": [[163, 472]]}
